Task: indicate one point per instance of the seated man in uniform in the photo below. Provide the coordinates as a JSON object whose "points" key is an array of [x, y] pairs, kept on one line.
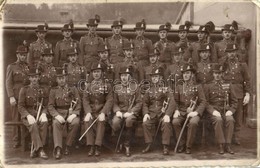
{"points": [[64, 106], [221, 106], [32, 107]]}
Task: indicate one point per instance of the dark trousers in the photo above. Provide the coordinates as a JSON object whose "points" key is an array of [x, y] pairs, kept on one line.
{"points": [[130, 123], [38, 133], [166, 130], [238, 116], [16, 132], [58, 129], [189, 136], [96, 133], [223, 129]]}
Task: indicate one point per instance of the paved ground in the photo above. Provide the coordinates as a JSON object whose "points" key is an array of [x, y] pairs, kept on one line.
{"points": [[247, 150]]}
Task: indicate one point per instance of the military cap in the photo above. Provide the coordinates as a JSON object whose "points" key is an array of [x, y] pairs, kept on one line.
{"points": [[217, 68], [185, 27], [204, 47], [72, 51], [60, 71], [68, 27], [178, 50], [94, 21], [228, 27], [155, 52], [140, 25], [127, 45], [102, 48], [125, 70], [231, 47], [41, 28], [157, 71], [96, 66], [22, 49], [33, 71], [167, 26], [187, 67], [117, 23], [47, 51], [203, 29]]}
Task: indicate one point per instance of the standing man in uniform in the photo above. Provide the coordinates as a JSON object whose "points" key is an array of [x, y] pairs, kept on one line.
{"points": [[62, 46], [89, 43], [116, 42], [164, 45], [237, 73], [203, 35], [129, 61], [36, 48], [127, 107], [203, 67], [97, 103], [173, 72], [64, 106], [184, 43], [187, 94], [221, 106], [47, 76], [31, 105], [15, 80], [104, 55], [219, 47], [142, 46], [155, 113]]}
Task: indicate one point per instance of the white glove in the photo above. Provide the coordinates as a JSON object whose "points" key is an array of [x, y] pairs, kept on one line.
{"points": [[146, 117], [43, 118], [216, 113], [119, 114], [127, 114], [60, 119], [101, 117], [88, 117], [229, 113], [189, 109], [166, 118], [12, 101], [246, 99], [176, 114], [192, 114], [31, 120], [71, 118]]}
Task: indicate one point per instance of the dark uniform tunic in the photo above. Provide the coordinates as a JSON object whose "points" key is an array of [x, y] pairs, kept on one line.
{"points": [[152, 105], [29, 97], [88, 47], [204, 74], [59, 103], [217, 94], [219, 51], [15, 79], [184, 94], [35, 51], [123, 98], [61, 51], [97, 99], [142, 47], [237, 74], [195, 46], [47, 76], [166, 48], [116, 48]]}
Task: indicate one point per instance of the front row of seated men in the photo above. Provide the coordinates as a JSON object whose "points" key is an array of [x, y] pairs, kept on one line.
{"points": [[158, 105]]}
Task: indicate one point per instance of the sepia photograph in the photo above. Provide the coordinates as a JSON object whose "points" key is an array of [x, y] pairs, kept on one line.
{"points": [[129, 83]]}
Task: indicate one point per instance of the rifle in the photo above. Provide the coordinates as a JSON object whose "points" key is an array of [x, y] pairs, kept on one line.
{"points": [[123, 127], [39, 107], [192, 107], [164, 108]]}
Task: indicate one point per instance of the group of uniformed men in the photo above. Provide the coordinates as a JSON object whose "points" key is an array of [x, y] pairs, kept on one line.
{"points": [[163, 84]]}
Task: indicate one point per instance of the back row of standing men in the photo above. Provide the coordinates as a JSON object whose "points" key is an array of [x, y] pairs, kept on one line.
{"points": [[140, 57]]}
